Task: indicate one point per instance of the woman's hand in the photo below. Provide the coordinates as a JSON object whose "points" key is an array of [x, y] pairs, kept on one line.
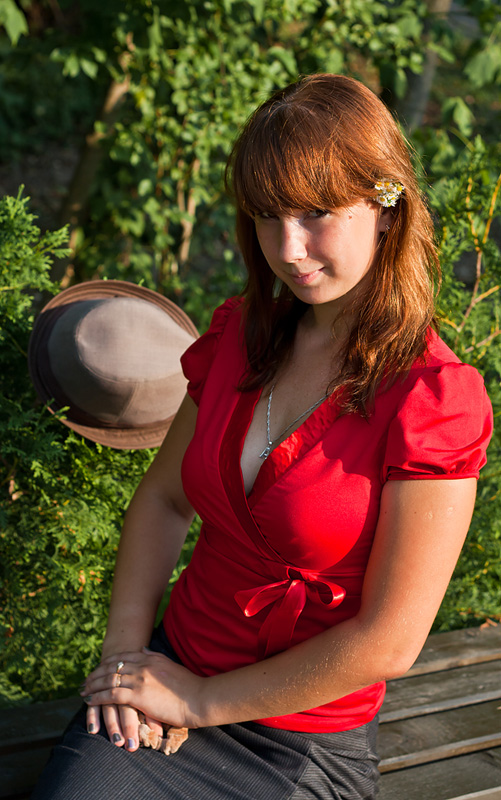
{"points": [[150, 682], [122, 724]]}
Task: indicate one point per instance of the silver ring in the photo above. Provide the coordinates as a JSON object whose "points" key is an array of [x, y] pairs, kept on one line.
{"points": [[120, 666], [118, 681]]}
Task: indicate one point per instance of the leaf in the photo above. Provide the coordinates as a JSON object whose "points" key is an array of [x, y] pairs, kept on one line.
{"points": [[71, 65], [485, 66], [13, 20], [456, 110], [90, 68], [286, 57]]}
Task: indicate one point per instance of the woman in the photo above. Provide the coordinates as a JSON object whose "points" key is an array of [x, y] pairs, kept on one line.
{"points": [[323, 559]]}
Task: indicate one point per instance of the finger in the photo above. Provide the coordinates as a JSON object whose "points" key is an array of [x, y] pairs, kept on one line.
{"points": [[117, 697], [155, 725], [111, 718], [93, 719], [117, 664], [105, 680], [129, 722]]}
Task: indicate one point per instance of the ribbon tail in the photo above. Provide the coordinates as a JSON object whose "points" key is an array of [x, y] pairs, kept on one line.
{"points": [[278, 628], [251, 601]]}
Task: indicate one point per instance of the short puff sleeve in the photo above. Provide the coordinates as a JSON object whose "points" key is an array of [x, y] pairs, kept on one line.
{"points": [[197, 359], [442, 426]]}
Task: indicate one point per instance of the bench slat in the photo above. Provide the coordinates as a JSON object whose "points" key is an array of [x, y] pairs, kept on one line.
{"points": [[39, 723], [445, 780], [438, 691], [458, 648], [430, 738], [488, 794], [20, 771]]}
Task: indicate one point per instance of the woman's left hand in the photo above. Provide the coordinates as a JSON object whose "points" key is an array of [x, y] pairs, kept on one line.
{"points": [[150, 682]]}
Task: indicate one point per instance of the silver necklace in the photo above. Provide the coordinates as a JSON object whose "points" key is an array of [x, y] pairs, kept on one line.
{"points": [[267, 450]]}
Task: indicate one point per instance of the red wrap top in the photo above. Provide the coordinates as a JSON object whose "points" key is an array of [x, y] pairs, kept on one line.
{"points": [[287, 562]]}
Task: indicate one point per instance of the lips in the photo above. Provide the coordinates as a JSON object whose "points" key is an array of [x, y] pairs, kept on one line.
{"points": [[308, 277]]}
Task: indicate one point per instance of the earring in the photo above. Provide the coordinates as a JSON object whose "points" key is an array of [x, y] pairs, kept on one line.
{"points": [[387, 228]]}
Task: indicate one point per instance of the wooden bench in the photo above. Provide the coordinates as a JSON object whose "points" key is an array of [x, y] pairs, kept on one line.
{"points": [[440, 734]]}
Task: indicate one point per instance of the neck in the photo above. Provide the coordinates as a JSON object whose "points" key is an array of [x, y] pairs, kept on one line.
{"points": [[330, 324]]}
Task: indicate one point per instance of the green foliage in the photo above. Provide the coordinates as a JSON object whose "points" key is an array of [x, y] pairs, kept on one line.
{"points": [[13, 20], [157, 214], [468, 205], [61, 498], [195, 70]]}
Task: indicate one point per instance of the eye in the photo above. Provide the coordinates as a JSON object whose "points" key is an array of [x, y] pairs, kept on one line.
{"points": [[263, 215], [315, 213]]}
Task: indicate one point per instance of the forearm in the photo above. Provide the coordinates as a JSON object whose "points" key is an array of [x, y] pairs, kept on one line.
{"points": [[318, 671], [420, 533]]}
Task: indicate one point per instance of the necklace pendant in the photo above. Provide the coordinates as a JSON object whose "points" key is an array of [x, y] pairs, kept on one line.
{"points": [[266, 452]]}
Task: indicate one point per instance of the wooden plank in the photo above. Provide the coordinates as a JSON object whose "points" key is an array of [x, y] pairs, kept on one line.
{"points": [[431, 738], [487, 794], [439, 753], [445, 780], [20, 771], [458, 648], [439, 691], [36, 724]]}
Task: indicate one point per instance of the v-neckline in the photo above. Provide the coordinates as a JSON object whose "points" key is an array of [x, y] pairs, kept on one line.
{"points": [[305, 436]]}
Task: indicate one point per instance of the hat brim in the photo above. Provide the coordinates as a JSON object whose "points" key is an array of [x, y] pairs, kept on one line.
{"points": [[122, 438]]}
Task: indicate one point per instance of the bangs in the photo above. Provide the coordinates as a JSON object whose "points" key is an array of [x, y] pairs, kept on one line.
{"points": [[290, 161]]}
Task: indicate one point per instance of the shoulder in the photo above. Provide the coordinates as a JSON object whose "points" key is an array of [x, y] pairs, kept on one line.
{"points": [[442, 371], [231, 308], [198, 358], [442, 417]]}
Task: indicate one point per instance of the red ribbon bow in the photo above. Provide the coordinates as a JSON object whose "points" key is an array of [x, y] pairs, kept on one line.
{"points": [[288, 598]]}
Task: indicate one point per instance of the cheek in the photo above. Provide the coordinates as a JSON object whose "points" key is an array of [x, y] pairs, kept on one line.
{"points": [[264, 243]]}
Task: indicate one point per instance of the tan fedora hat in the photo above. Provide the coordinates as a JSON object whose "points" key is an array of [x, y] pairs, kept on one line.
{"points": [[109, 351]]}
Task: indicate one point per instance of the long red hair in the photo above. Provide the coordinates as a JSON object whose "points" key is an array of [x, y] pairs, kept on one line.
{"points": [[323, 143]]}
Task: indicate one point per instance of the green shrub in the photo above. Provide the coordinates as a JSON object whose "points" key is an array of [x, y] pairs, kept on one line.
{"points": [[468, 209], [62, 498]]}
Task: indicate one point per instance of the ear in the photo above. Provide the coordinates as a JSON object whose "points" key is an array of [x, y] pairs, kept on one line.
{"points": [[385, 220]]}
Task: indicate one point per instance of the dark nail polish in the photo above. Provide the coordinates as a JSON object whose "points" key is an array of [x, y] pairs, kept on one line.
{"points": [[88, 698], [90, 728], [115, 738], [130, 744]]}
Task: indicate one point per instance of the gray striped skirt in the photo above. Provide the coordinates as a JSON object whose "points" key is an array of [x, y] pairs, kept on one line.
{"points": [[244, 761]]}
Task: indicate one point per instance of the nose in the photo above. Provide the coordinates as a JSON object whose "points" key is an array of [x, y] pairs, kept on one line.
{"points": [[293, 240]]}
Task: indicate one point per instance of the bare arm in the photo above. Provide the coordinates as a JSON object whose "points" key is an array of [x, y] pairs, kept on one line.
{"points": [[421, 530], [155, 527]]}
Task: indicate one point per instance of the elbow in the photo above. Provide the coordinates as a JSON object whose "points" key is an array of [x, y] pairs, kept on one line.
{"points": [[397, 661]]}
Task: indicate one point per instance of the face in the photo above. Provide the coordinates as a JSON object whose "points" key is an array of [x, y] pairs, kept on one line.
{"points": [[322, 256]]}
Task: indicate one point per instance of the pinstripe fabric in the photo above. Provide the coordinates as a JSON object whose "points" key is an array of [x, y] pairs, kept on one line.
{"points": [[233, 762]]}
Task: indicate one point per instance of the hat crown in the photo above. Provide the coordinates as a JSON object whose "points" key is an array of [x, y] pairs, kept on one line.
{"points": [[118, 359]]}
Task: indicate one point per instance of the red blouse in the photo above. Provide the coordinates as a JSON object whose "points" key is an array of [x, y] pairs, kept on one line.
{"points": [[287, 562]]}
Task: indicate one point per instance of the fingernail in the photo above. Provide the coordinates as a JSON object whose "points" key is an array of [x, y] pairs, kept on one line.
{"points": [[81, 687], [88, 698], [130, 744], [90, 728], [115, 738]]}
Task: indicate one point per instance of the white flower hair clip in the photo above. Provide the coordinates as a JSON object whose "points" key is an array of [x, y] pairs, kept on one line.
{"points": [[388, 192]]}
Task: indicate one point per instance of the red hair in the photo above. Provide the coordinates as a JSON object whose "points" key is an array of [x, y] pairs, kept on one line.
{"points": [[322, 143]]}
